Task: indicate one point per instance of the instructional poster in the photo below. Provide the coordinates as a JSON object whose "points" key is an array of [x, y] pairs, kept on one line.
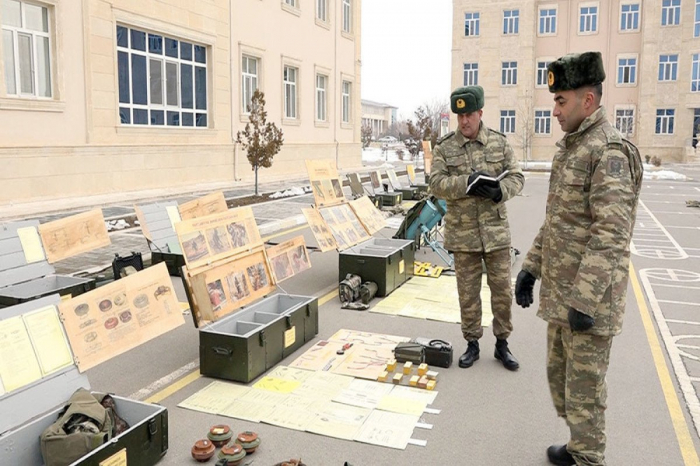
{"points": [[411, 174], [325, 183], [369, 216], [224, 288], [18, 363], [120, 316], [375, 177], [323, 235], [74, 235], [344, 225], [393, 179], [427, 156], [288, 259], [210, 204], [207, 239]]}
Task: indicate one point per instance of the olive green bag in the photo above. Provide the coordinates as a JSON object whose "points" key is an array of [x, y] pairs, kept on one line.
{"points": [[83, 425]]}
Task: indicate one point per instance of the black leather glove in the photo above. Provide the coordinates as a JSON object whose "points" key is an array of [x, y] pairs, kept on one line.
{"points": [[490, 192], [578, 321], [474, 176], [523, 288]]}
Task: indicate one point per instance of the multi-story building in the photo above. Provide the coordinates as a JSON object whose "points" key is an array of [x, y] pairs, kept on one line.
{"points": [[651, 53], [378, 116], [105, 97]]}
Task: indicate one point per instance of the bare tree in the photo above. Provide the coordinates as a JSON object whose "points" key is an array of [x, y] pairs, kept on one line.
{"points": [[525, 132], [260, 139]]}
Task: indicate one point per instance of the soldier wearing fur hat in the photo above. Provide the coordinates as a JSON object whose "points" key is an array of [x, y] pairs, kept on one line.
{"points": [[477, 223], [581, 254]]}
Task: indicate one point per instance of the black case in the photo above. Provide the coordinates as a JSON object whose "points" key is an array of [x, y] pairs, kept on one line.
{"points": [[121, 262], [437, 352], [28, 411]]}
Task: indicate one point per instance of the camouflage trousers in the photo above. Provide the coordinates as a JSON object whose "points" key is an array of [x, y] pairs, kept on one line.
{"points": [[469, 269], [576, 368]]}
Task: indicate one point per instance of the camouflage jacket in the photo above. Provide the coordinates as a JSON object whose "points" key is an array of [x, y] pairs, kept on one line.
{"points": [[582, 250], [473, 223]]}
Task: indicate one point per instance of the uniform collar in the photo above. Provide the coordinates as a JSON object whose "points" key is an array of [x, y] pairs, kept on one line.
{"points": [[482, 136], [593, 120]]}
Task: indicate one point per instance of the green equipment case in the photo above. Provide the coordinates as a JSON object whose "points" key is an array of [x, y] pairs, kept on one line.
{"points": [[390, 198], [29, 410], [408, 194], [387, 262]]}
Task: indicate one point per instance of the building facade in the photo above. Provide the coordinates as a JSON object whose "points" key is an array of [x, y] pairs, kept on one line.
{"points": [[378, 116], [651, 52], [124, 96]]}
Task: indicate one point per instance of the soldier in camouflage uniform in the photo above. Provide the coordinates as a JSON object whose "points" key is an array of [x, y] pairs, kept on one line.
{"points": [[477, 223], [581, 254]]}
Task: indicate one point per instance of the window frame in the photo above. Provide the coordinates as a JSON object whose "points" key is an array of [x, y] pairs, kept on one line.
{"points": [[326, 20], [548, 123], [542, 71], [695, 72], [638, 13], [345, 79], [472, 72], [258, 62], [291, 6], [548, 19], [165, 107], [676, 13], [326, 76], [670, 122], [285, 114], [509, 71], [625, 108], [664, 67], [626, 56], [511, 24], [476, 21], [347, 15], [596, 18], [696, 22], [507, 121]]}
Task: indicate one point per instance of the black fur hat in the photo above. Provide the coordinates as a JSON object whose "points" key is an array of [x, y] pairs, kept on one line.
{"points": [[575, 70]]}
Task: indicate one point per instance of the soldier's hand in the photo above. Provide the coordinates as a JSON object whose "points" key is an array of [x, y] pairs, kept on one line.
{"points": [[578, 321], [524, 285], [474, 176], [490, 192]]}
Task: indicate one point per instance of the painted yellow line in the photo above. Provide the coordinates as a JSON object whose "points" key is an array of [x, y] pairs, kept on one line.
{"points": [[685, 441], [174, 387], [328, 297], [282, 233]]}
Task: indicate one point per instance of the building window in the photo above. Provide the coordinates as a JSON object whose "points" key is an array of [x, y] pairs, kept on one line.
{"points": [[471, 24], [321, 89], [624, 121], [629, 17], [664, 120], [542, 73], [26, 49], [671, 12], [668, 67], [509, 73], [588, 19], [511, 20], [162, 80], [548, 21], [543, 121], [290, 92], [292, 3], [249, 80], [507, 121], [347, 89], [696, 30], [695, 74], [627, 71], [347, 16], [322, 10], [471, 74]]}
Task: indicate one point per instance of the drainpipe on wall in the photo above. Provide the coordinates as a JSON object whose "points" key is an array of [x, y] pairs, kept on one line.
{"points": [[232, 110], [335, 92]]}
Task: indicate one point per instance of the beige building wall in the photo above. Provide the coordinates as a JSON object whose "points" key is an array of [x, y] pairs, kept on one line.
{"points": [[73, 144], [491, 47]]}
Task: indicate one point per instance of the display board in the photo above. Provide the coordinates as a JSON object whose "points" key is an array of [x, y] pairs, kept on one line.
{"points": [[288, 258], [74, 235], [427, 155], [205, 240], [119, 316], [393, 179], [325, 183], [375, 177], [344, 225], [210, 204], [369, 215], [324, 237], [411, 171]]}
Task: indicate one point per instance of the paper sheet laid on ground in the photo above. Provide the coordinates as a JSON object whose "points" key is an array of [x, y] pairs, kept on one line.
{"points": [[363, 393], [387, 429], [415, 394], [31, 244], [74, 235], [214, 398], [400, 405], [485, 180], [338, 420], [432, 299], [18, 363]]}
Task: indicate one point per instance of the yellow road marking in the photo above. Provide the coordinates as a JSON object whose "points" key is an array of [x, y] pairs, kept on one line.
{"points": [[685, 441], [328, 297], [174, 387]]}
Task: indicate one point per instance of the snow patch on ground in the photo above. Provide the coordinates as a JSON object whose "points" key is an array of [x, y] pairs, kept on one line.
{"points": [[663, 175], [288, 193]]}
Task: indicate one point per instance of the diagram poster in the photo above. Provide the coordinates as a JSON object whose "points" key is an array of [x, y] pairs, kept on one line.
{"points": [[344, 225], [226, 287], [74, 235], [205, 240], [324, 237], [369, 216], [325, 183], [210, 204], [117, 317], [288, 259]]}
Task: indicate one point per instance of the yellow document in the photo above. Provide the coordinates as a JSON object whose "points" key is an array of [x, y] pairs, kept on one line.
{"points": [[276, 385], [31, 244], [401, 405], [49, 341], [18, 364], [173, 214], [117, 459]]}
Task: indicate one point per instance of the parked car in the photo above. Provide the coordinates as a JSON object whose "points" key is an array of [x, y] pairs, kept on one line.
{"points": [[388, 139]]}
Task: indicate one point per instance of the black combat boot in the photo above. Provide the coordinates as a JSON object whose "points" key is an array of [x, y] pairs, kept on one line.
{"points": [[471, 355], [504, 355], [559, 455]]}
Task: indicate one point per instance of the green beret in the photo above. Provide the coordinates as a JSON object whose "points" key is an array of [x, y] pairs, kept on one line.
{"points": [[467, 99], [575, 70]]}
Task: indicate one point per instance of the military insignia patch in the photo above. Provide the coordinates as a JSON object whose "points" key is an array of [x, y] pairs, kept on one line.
{"points": [[550, 79], [615, 167], [461, 103]]}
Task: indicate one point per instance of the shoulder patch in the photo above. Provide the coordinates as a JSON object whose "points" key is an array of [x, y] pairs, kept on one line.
{"points": [[445, 138]]}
